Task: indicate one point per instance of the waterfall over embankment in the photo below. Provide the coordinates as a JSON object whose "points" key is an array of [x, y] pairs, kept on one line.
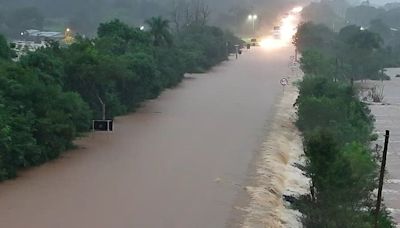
{"points": [[277, 174]]}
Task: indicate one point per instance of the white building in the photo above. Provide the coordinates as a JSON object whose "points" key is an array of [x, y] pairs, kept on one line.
{"points": [[22, 47], [32, 40], [39, 36]]}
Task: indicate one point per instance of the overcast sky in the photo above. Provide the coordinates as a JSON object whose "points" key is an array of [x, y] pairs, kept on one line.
{"points": [[375, 2], [381, 2]]}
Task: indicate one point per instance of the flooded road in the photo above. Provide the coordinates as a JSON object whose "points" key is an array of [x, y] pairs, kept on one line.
{"points": [[176, 163], [387, 118]]}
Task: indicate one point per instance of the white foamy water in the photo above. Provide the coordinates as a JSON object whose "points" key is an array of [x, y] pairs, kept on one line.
{"points": [[393, 181], [390, 191], [277, 174]]}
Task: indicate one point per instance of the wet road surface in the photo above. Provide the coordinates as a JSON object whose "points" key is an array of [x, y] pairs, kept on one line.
{"points": [[176, 163]]}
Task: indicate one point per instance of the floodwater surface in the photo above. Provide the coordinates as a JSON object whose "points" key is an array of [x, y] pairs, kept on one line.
{"points": [[178, 162], [387, 118]]}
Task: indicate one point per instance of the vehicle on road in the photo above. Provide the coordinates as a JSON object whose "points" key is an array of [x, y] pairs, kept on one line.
{"points": [[276, 32], [254, 42]]}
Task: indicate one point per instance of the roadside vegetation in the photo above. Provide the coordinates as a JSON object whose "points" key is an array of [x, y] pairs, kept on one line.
{"points": [[337, 127], [50, 96], [383, 20], [351, 53]]}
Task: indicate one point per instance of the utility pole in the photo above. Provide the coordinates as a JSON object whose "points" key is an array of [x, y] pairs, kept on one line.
{"points": [[237, 50], [254, 26], [381, 177], [227, 48], [337, 70], [103, 107]]}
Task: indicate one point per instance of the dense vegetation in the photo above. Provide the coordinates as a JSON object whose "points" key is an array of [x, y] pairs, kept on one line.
{"points": [[337, 130], [51, 95], [352, 53], [337, 127], [384, 21]]}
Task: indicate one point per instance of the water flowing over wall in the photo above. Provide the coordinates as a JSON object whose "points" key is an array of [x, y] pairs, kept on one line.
{"points": [[277, 173]]}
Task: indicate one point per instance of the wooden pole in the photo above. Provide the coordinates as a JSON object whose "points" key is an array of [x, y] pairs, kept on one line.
{"points": [[381, 177]]}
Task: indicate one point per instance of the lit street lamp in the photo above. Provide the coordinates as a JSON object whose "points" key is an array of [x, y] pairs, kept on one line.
{"points": [[253, 18], [68, 36], [23, 36]]}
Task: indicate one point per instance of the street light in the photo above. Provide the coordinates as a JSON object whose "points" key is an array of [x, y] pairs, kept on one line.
{"points": [[23, 36], [68, 36], [253, 18]]}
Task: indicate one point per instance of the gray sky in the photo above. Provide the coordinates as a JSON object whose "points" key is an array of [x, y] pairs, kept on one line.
{"points": [[375, 2], [381, 2]]}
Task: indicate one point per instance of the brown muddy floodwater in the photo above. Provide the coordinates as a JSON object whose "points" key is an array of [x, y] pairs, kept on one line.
{"points": [[178, 162], [387, 118]]}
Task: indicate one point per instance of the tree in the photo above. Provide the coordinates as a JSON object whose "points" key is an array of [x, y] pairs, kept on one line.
{"points": [[337, 130], [200, 12], [159, 30], [391, 18], [361, 50], [312, 36], [39, 119], [343, 179], [117, 38], [178, 13], [377, 26], [5, 52], [315, 63]]}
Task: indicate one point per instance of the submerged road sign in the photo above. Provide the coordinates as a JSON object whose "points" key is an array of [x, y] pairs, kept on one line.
{"points": [[284, 82], [103, 125]]}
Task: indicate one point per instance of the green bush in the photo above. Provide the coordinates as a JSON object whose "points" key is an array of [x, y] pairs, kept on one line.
{"points": [[337, 129]]}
